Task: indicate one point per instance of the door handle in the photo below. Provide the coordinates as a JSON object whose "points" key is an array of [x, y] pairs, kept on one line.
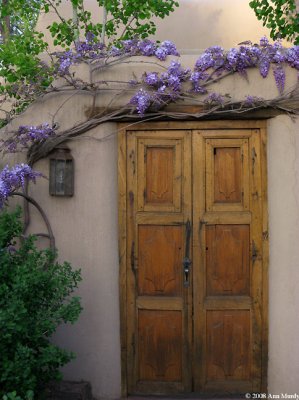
{"points": [[186, 260]]}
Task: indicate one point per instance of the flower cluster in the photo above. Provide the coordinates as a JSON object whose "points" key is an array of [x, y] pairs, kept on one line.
{"points": [[214, 99], [160, 89], [251, 101], [27, 135], [92, 50], [14, 178], [165, 87]]}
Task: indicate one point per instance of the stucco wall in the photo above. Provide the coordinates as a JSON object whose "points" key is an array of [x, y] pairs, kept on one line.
{"points": [[85, 229], [196, 24], [283, 188], [85, 226]]}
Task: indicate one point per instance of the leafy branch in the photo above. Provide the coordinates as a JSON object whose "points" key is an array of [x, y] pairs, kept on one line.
{"points": [[280, 16]]}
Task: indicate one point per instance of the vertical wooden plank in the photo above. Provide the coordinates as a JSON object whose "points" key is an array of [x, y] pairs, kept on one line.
{"points": [[199, 195], [245, 183], [210, 174], [122, 246], [186, 162], [265, 250], [256, 256], [132, 268]]}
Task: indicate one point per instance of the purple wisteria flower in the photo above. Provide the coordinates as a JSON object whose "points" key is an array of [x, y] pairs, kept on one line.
{"points": [[163, 88], [65, 60], [198, 78], [142, 100], [14, 178], [161, 53], [35, 133], [213, 57], [170, 48], [264, 42], [214, 99], [292, 57], [151, 78], [91, 49], [240, 59], [264, 67], [27, 135], [280, 77], [175, 76], [251, 101], [146, 47]]}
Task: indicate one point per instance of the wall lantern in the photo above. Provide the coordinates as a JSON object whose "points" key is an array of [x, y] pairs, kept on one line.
{"points": [[61, 172]]}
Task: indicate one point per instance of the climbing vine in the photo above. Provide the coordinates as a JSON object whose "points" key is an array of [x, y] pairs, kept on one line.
{"points": [[152, 92]]}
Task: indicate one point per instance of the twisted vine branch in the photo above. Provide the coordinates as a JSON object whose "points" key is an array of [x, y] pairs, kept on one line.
{"points": [[48, 235]]}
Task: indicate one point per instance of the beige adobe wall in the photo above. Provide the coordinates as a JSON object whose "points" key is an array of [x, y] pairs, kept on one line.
{"points": [[85, 228], [283, 187], [197, 24]]}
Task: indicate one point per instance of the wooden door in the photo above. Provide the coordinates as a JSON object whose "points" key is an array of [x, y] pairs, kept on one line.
{"points": [[158, 305], [198, 194]]}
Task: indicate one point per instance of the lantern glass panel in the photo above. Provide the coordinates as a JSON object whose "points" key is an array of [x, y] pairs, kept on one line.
{"points": [[69, 178], [60, 177]]}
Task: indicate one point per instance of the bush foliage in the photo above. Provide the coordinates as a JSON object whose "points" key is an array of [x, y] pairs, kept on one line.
{"points": [[34, 299]]}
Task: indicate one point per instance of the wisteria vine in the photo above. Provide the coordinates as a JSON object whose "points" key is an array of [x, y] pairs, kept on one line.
{"points": [[153, 91], [11, 179], [159, 89]]}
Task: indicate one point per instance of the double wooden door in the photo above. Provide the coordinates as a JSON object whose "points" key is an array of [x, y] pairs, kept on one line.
{"points": [[193, 236]]}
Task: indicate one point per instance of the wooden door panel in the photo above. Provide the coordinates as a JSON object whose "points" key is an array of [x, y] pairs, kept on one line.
{"points": [[227, 178], [227, 260], [159, 187], [227, 174], [160, 260], [160, 345], [228, 345], [159, 174]]}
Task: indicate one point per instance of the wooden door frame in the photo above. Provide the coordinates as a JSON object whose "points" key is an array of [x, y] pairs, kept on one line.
{"points": [[123, 200]]}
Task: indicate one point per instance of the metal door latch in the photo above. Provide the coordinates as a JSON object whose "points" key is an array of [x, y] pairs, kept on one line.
{"points": [[186, 260]]}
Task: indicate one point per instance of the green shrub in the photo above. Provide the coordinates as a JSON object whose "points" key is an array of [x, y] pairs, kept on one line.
{"points": [[14, 396], [34, 299]]}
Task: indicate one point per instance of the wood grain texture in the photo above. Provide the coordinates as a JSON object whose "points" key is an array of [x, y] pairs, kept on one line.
{"points": [[228, 345], [159, 185], [159, 174], [265, 289], [160, 255], [227, 175], [226, 128], [159, 206], [122, 248], [256, 238], [160, 345], [199, 268], [228, 295], [227, 252]]}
